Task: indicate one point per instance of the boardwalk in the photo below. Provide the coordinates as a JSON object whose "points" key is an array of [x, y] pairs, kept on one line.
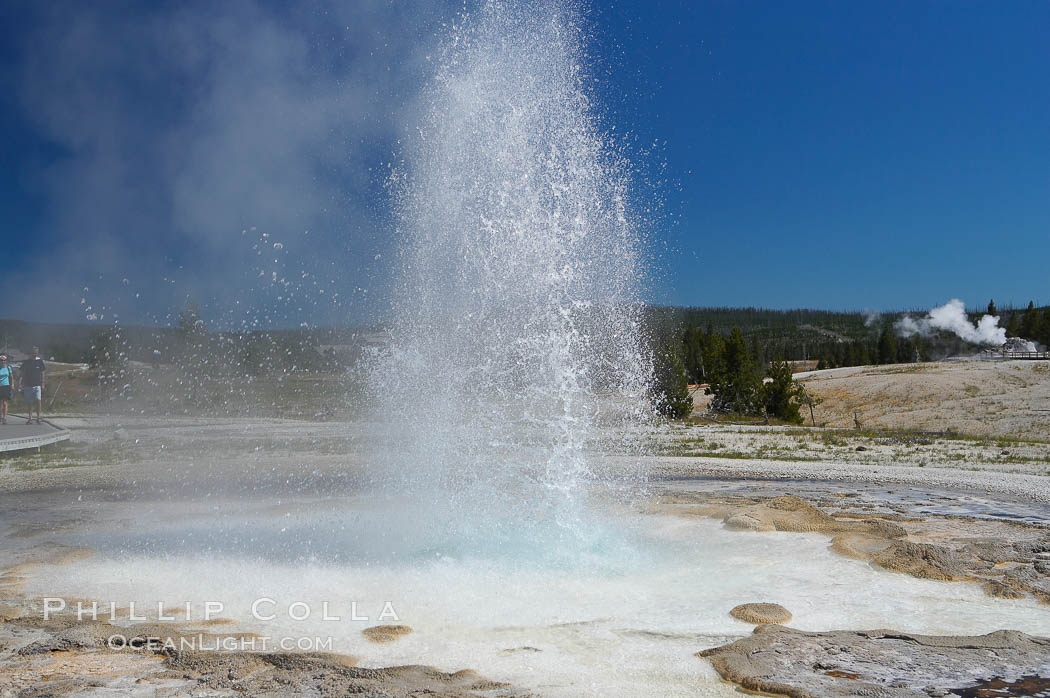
{"points": [[16, 435], [1012, 355]]}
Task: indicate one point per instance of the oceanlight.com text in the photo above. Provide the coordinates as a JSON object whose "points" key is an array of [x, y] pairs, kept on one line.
{"points": [[208, 643]]}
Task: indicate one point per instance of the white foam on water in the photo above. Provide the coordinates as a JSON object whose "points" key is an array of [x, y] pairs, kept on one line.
{"points": [[628, 627]]}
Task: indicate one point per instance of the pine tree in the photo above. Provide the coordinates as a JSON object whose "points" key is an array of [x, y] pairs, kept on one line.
{"points": [[714, 357], [782, 393], [905, 351], [672, 386], [739, 387], [109, 356], [887, 351], [692, 356], [991, 308], [1013, 327], [1029, 322], [864, 354]]}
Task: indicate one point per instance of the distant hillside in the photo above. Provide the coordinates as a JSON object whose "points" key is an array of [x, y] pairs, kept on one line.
{"points": [[843, 338], [68, 342], [779, 323]]}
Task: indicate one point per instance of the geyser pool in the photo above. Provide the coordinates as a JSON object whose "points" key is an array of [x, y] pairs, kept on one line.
{"points": [[629, 626]]}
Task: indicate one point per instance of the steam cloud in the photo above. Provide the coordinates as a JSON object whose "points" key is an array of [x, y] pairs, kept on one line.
{"points": [[952, 317], [175, 126]]}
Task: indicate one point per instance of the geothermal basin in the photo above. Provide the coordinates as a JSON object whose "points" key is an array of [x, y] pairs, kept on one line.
{"points": [[245, 513], [501, 498]]}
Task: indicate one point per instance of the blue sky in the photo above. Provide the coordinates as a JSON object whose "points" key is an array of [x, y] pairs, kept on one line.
{"points": [[865, 155], [853, 154]]}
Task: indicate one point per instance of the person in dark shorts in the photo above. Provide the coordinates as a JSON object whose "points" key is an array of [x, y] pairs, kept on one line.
{"points": [[7, 375], [31, 382]]}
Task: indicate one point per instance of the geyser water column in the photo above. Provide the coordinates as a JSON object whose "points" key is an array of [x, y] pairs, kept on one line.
{"points": [[517, 315]]}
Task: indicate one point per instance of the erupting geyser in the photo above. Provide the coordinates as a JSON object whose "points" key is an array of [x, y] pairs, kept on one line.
{"points": [[517, 316]]}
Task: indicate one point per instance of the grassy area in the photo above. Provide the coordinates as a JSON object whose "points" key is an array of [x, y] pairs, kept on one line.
{"points": [[740, 455], [64, 455], [839, 436], [809, 444], [932, 436]]}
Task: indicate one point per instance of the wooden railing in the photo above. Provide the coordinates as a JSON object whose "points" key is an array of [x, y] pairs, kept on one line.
{"points": [[1019, 355]]}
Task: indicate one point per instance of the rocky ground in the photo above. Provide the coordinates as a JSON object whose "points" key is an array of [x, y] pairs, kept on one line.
{"points": [[1017, 466], [68, 657], [1009, 559], [782, 661]]}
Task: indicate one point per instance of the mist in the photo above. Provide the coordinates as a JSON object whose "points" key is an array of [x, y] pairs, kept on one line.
{"points": [[233, 152]]}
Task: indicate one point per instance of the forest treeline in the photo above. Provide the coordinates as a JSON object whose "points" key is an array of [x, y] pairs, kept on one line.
{"points": [[840, 338], [734, 349], [741, 353], [740, 382], [832, 338]]}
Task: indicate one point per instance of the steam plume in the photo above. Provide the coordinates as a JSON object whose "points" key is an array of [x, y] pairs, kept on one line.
{"points": [[952, 317]]}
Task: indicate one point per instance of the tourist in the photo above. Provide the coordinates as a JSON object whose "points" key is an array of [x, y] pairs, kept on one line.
{"points": [[31, 382], [6, 374]]}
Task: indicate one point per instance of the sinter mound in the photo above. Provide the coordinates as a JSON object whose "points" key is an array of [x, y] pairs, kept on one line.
{"points": [[386, 633], [1006, 569], [885, 663], [760, 613]]}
